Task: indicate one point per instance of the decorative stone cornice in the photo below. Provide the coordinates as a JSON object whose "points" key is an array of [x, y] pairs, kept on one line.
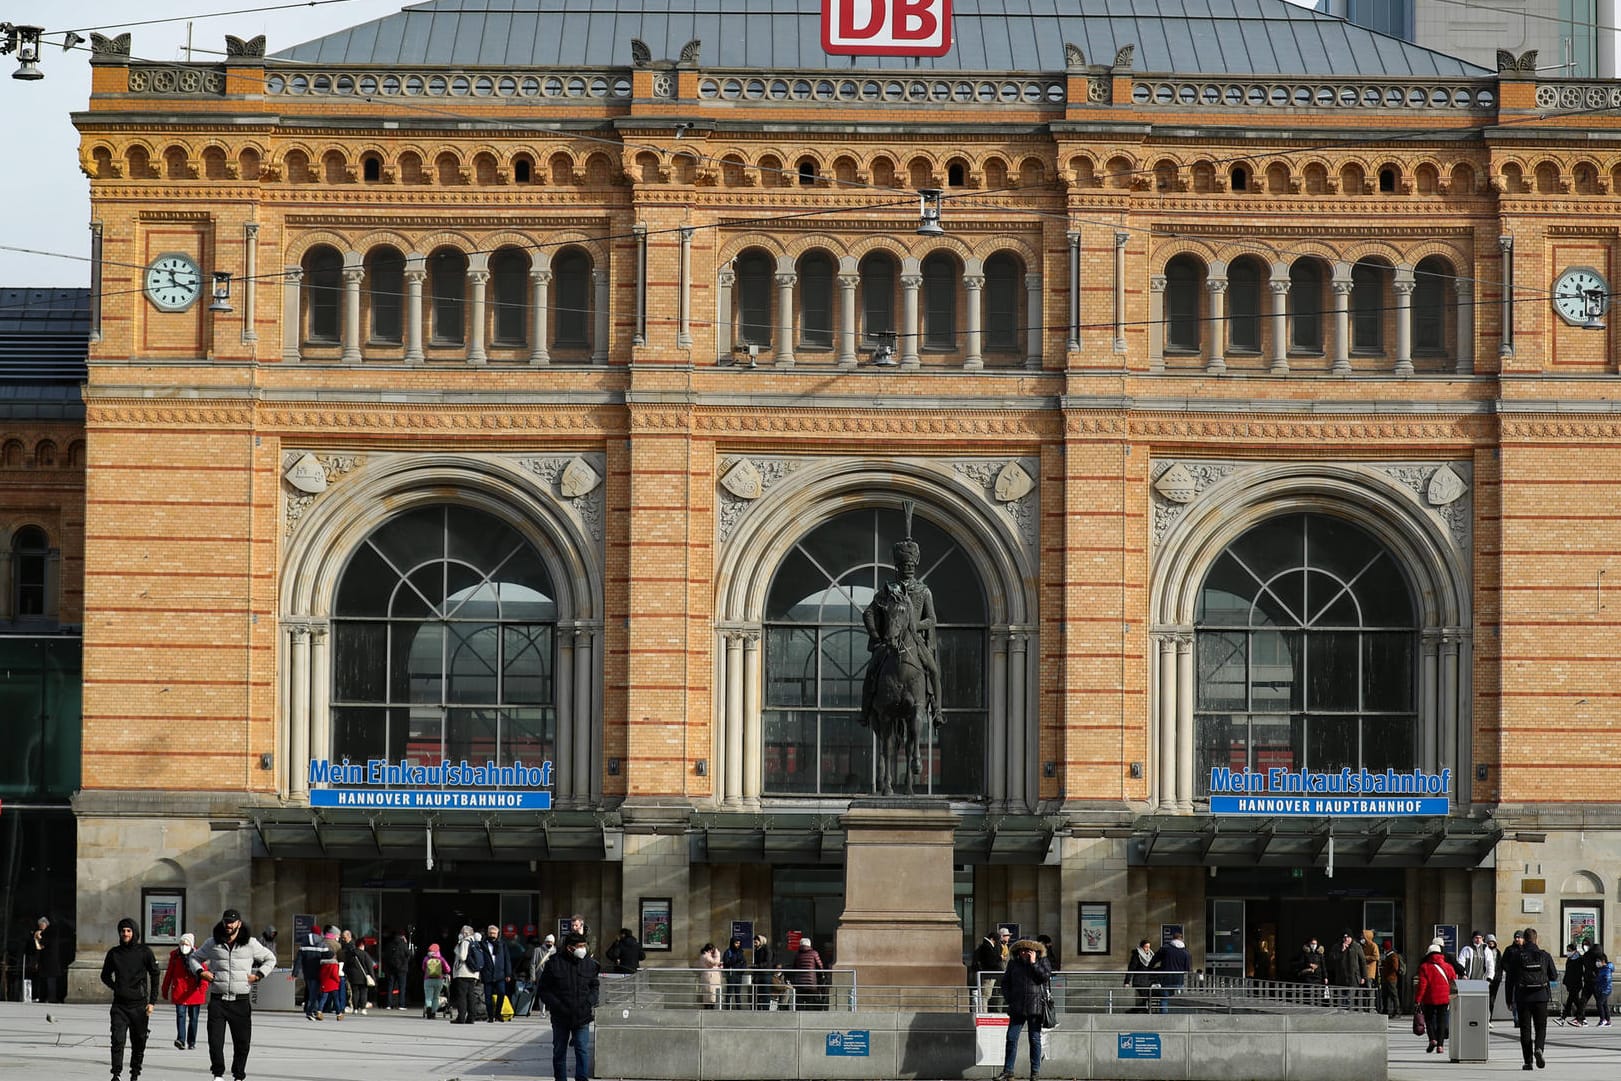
{"points": [[1024, 424]]}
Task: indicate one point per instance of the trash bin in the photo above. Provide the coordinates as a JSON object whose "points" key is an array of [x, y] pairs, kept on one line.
{"points": [[1471, 1009]]}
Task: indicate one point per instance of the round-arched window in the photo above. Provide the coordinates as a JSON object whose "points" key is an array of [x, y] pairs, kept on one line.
{"points": [[443, 644], [816, 659], [1306, 635]]}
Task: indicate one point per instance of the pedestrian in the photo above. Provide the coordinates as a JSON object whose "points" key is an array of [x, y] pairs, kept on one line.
{"points": [[312, 950], [396, 966], [576, 926], [626, 953], [1311, 969], [1433, 994], [1172, 963], [435, 972], [1393, 969], [1573, 986], [708, 965], [1475, 962], [1603, 981], [1345, 969], [540, 956], [494, 973], [45, 960], [183, 985], [990, 958], [1531, 974], [734, 962], [1053, 964], [569, 987], [331, 980], [359, 970], [132, 972], [1509, 961], [1592, 958], [468, 960], [1494, 965], [1025, 989], [517, 961], [1370, 962], [1139, 976], [235, 961], [806, 976]]}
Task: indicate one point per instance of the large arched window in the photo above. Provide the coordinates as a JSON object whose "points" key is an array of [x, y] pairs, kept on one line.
{"points": [[571, 299], [1306, 636], [1431, 279], [877, 297], [385, 282], [1184, 277], [754, 286], [323, 294], [816, 659], [447, 290], [1002, 274], [940, 277], [1306, 306], [816, 301], [1244, 306], [509, 297], [1368, 306], [443, 644], [30, 553]]}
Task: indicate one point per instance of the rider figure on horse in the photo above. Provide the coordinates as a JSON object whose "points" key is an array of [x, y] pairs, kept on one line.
{"points": [[906, 554]]}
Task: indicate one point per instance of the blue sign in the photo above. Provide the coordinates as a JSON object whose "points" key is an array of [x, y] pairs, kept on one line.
{"points": [[439, 786], [1353, 793], [1138, 1045], [853, 1042], [1448, 934], [432, 799], [744, 929]]}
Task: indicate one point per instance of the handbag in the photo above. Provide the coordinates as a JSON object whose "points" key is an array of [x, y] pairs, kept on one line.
{"points": [[371, 981], [1049, 1011], [1418, 1022]]}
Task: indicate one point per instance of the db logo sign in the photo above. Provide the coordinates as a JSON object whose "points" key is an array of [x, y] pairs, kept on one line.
{"points": [[886, 27]]}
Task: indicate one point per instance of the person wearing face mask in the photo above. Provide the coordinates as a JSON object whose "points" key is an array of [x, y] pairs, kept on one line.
{"points": [[183, 985], [132, 973], [569, 987]]}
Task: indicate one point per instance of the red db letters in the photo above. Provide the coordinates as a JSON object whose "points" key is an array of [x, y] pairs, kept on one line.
{"points": [[886, 27]]}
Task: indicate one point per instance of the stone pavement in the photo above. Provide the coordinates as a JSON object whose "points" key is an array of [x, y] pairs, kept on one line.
{"points": [[385, 1046]]}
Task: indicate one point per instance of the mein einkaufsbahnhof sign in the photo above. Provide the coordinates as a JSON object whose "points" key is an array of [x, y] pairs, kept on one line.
{"points": [[444, 786], [1348, 793]]}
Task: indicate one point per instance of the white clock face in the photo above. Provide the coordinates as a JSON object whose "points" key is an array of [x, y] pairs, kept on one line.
{"points": [[1570, 294], [174, 282]]}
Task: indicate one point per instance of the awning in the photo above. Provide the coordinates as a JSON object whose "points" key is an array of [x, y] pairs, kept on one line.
{"points": [[1225, 841], [809, 837], [326, 833]]}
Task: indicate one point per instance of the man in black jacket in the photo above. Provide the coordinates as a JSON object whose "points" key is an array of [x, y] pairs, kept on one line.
{"points": [[1532, 974], [132, 973], [626, 953], [569, 987]]}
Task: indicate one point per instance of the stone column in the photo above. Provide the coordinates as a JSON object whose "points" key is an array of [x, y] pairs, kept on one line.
{"points": [[599, 335], [1023, 746], [1464, 290], [640, 337], [1429, 683], [562, 782], [1073, 345], [352, 277], [250, 279], [584, 707], [320, 692], [1120, 239], [847, 319], [1184, 723], [911, 286], [298, 708], [416, 272], [683, 336], [1167, 721], [292, 323], [1035, 336], [1342, 326], [723, 312], [732, 791], [1403, 289], [1505, 345], [974, 292], [998, 730], [783, 355], [1280, 325], [1215, 363], [540, 299], [479, 280], [753, 726], [1156, 323], [1449, 710]]}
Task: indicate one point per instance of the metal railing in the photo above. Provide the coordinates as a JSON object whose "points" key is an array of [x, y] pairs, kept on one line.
{"points": [[1139, 992]]}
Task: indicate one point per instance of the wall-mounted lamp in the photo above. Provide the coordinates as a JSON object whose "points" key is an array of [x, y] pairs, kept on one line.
{"points": [[222, 293], [752, 351], [1136, 771], [884, 355], [1594, 302], [1481, 771], [928, 214], [682, 128], [267, 760], [701, 767], [1049, 769], [24, 41], [613, 767]]}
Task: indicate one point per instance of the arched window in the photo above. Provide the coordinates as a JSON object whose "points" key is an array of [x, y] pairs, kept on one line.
{"points": [[371, 168], [1432, 278], [816, 659], [30, 553], [1306, 306], [1244, 306], [940, 301], [877, 297], [754, 285], [447, 288], [1183, 278], [807, 172], [323, 293], [509, 296], [571, 299], [1306, 636], [1002, 302], [443, 644], [385, 286], [816, 301], [1368, 307]]}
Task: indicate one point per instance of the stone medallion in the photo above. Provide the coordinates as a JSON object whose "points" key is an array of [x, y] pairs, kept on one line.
{"points": [[743, 480], [578, 479], [1445, 487], [1177, 484], [307, 475], [1012, 483]]}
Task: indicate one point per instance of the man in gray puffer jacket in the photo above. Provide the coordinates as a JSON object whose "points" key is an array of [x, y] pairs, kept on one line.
{"points": [[236, 961]]}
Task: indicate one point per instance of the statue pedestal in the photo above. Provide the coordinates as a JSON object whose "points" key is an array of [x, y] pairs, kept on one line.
{"points": [[900, 926]]}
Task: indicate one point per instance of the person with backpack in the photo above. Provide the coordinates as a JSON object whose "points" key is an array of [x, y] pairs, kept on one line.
{"points": [[1432, 993], [465, 987], [1532, 976], [396, 963], [435, 972]]}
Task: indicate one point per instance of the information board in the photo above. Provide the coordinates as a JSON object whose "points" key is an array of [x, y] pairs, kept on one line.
{"points": [[850, 1043], [1138, 1045]]}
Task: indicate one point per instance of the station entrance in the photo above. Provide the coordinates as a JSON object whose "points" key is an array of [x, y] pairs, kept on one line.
{"points": [[1259, 921]]}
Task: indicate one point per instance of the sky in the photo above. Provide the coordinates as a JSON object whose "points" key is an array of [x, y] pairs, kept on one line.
{"points": [[48, 197]]}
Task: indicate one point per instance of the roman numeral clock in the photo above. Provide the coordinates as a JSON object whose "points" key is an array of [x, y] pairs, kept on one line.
{"points": [[174, 282]]}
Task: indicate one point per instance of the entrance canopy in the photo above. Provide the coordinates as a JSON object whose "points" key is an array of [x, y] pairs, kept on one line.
{"points": [[327, 833], [1217, 841]]}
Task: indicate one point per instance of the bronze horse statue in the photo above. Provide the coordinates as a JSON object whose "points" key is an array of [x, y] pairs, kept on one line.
{"points": [[900, 690]]}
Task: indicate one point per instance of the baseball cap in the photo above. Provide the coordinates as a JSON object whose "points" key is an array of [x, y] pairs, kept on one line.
{"points": [[231, 916]]}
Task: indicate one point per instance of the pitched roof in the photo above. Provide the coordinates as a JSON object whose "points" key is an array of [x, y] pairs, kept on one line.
{"points": [[1210, 37], [44, 337]]}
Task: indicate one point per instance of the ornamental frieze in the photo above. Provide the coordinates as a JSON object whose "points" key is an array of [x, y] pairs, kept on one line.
{"points": [[102, 415], [1030, 425], [480, 421]]}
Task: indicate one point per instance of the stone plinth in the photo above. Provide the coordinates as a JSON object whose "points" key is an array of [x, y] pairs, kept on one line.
{"points": [[900, 927]]}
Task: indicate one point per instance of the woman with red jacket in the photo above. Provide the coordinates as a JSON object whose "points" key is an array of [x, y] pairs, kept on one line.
{"points": [[1432, 993], [183, 985]]}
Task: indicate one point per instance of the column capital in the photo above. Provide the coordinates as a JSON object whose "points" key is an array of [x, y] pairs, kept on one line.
{"points": [[1216, 285], [1505, 244], [299, 631], [1073, 236], [751, 639], [598, 275], [1032, 279], [686, 234], [478, 277], [251, 230], [1342, 288], [727, 277], [1278, 286], [911, 281], [1403, 288], [846, 281], [1120, 238], [786, 279], [293, 275], [416, 276], [353, 275], [1157, 283], [973, 282], [540, 277], [1463, 287]]}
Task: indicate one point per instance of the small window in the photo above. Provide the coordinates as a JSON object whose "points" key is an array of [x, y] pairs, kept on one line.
{"points": [[520, 171], [1244, 307], [1306, 307], [323, 294], [939, 302], [807, 173], [1387, 180], [1002, 274], [29, 552], [1368, 307], [447, 283], [571, 300], [877, 297], [754, 284], [954, 175], [1183, 278], [509, 276], [372, 168], [1241, 179]]}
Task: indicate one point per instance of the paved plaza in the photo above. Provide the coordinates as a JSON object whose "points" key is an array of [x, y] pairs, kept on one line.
{"points": [[383, 1046]]}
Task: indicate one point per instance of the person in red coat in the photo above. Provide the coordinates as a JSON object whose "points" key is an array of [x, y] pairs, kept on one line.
{"points": [[1432, 993], [184, 986]]}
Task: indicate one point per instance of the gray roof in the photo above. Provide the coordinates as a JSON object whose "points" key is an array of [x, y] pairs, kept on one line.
{"points": [[1204, 37], [44, 338]]}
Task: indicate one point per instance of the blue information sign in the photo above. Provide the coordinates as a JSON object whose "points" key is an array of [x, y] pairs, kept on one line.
{"points": [[853, 1042], [1348, 793], [1343, 806], [1138, 1045], [431, 799], [744, 929], [1448, 934]]}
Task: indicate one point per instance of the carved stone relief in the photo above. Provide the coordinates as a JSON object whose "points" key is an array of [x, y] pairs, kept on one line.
{"points": [[1177, 484], [1447, 488], [1010, 485], [305, 476], [744, 480], [575, 482]]}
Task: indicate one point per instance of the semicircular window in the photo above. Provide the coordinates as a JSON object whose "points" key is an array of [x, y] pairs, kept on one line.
{"points": [[443, 644], [816, 659], [1306, 636]]}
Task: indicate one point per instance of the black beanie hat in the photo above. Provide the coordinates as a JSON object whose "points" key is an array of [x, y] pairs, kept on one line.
{"points": [[134, 927]]}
